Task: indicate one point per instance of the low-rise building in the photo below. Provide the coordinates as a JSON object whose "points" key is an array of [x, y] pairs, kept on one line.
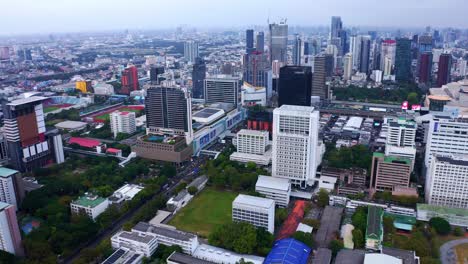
{"points": [[253, 146], [374, 231], [223, 256], [181, 258], [389, 171], [121, 256], [180, 200], [163, 148], [89, 204], [125, 193], [455, 216], [139, 243], [327, 183], [199, 183], [277, 189], [257, 211]]}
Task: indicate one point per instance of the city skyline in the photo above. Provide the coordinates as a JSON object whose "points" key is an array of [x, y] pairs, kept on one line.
{"points": [[52, 16]]}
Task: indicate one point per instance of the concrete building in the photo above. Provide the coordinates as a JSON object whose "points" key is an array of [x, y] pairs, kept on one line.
{"points": [[257, 211], [447, 181], [252, 146], [144, 244], [295, 144], [90, 205], [181, 258], [278, 42], [169, 237], [401, 132], [347, 66], [222, 89], [253, 95], [125, 193], [11, 187], [222, 256], [319, 85], [9, 231], [172, 149], [389, 171], [121, 256], [277, 189], [190, 51], [178, 201], [122, 122]]}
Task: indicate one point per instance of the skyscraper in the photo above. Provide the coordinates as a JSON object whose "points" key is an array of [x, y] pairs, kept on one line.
{"points": [[249, 40], [278, 42], [295, 139], [9, 230], [336, 27], [444, 71], [319, 78], [355, 48], [130, 80], [256, 66], [190, 51], [365, 54], [403, 60], [295, 85], [222, 89], [260, 45], [347, 66], [425, 43], [155, 71], [425, 68], [297, 50], [387, 49], [198, 78], [344, 45]]}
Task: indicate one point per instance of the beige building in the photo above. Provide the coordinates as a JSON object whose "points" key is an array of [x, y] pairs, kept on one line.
{"points": [[389, 171], [164, 148]]}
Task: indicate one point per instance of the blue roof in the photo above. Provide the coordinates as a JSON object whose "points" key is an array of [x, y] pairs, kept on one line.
{"points": [[6, 172], [288, 251]]}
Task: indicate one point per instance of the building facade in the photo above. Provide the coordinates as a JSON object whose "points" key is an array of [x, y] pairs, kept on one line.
{"points": [[222, 89], [403, 59], [190, 51], [319, 77], [277, 189], [389, 171], [278, 42], [145, 244], [257, 211], [198, 78], [122, 122], [11, 187], [130, 80], [10, 236], [295, 85], [90, 205], [444, 69]]}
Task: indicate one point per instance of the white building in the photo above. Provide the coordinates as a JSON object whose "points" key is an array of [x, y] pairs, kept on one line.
{"points": [[222, 256], [122, 122], [222, 89], [8, 186], [190, 51], [125, 193], [121, 256], [347, 66], [401, 132], [252, 146], [277, 189], [447, 181], [401, 152], [253, 95], [257, 211], [169, 237], [91, 205], [103, 89], [139, 243], [327, 183], [295, 144], [178, 201], [10, 236]]}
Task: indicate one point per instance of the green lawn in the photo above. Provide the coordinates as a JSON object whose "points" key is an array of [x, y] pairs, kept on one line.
{"points": [[209, 209], [50, 109]]}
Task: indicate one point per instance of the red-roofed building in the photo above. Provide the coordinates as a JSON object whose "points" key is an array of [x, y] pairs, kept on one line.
{"points": [[87, 143], [114, 151]]}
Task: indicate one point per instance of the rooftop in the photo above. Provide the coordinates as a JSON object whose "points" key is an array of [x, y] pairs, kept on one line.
{"points": [[322, 256], [84, 142], [371, 258], [70, 124], [454, 160], [407, 256], [4, 205], [392, 159], [27, 100], [443, 210], [273, 183], [221, 255], [6, 172], [288, 251], [207, 112], [374, 221], [136, 237], [329, 224], [298, 108], [90, 201], [122, 256], [182, 258], [249, 200], [349, 256], [172, 233], [252, 132]]}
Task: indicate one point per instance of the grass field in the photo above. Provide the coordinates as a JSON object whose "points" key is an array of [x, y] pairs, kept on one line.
{"points": [[208, 210], [50, 109], [462, 254], [125, 109]]}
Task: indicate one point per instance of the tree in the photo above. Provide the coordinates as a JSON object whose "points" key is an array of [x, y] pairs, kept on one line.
{"points": [[359, 219], [180, 187], [312, 222], [280, 215], [305, 238], [458, 231], [322, 198], [441, 225], [358, 238], [192, 190], [412, 98], [168, 170], [335, 246], [240, 237]]}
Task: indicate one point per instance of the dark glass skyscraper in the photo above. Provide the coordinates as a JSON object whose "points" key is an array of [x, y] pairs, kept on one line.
{"points": [[336, 26], [295, 85], [198, 78], [260, 45], [155, 71], [278, 42], [364, 56], [319, 77], [425, 68], [249, 40], [445, 66], [403, 60]]}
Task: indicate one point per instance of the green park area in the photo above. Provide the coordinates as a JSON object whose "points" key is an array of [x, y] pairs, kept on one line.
{"points": [[209, 209], [50, 109]]}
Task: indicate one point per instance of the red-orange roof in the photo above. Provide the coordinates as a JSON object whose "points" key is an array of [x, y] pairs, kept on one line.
{"points": [[84, 142]]}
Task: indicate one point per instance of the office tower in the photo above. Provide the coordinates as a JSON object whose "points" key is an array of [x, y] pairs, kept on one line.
{"points": [[198, 78], [190, 51], [319, 78], [122, 122], [4, 53], [462, 67], [372, 34], [11, 187], [387, 49], [388, 64], [389, 172], [249, 40], [355, 48], [130, 80], [297, 50], [222, 89], [260, 45], [336, 27], [444, 71], [168, 109], [257, 211], [256, 67], [295, 85], [447, 181], [329, 64], [278, 42], [155, 71], [344, 45], [401, 132], [365, 54], [425, 43], [30, 146], [9, 231], [425, 68], [295, 141], [403, 60], [347, 66]]}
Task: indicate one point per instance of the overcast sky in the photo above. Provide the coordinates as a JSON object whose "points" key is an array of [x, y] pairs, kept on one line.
{"points": [[47, 16]]}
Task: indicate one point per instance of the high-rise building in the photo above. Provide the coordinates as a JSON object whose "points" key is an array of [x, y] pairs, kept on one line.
{"points": [[249, 41], [401, 132], [336, 27], [9, 231], [364, 59], [190, 51], [447, 181], [155, 71], [130, 80], [344, 45], [278, 42], [295, 85], [347, 66], [4, 53], [122, 122], [256, 67], [30, 146], [387, 49], [389, 172], [425, 43], [388, 64], [319, 78], [425, 68], [462, 67], [11, 187], [444, 70], [257, 211], [295, 141], [222, 89], [198, 78], [403, 59], [355, 48], [260, 45], [297, 50]]}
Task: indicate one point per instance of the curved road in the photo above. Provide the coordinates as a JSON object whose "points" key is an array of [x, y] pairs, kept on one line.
{"points": [[447, 254]]}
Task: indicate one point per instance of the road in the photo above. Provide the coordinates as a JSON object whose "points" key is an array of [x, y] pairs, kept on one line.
{"points": [[447, 254], [186, 173]]}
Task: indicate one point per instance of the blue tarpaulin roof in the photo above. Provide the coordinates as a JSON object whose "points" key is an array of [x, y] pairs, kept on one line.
{"points": [[288, 251]]}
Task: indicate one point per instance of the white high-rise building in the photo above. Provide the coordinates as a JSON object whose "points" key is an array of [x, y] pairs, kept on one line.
{"points": [[387, 50], [447, 181], [190, 51], [122, 122], [355, 49], [388, 64], [295, 143], [10, 236], [222, 89], [257, 211], [462, 67], [9, 180], [401, 132], [347, 66]]}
